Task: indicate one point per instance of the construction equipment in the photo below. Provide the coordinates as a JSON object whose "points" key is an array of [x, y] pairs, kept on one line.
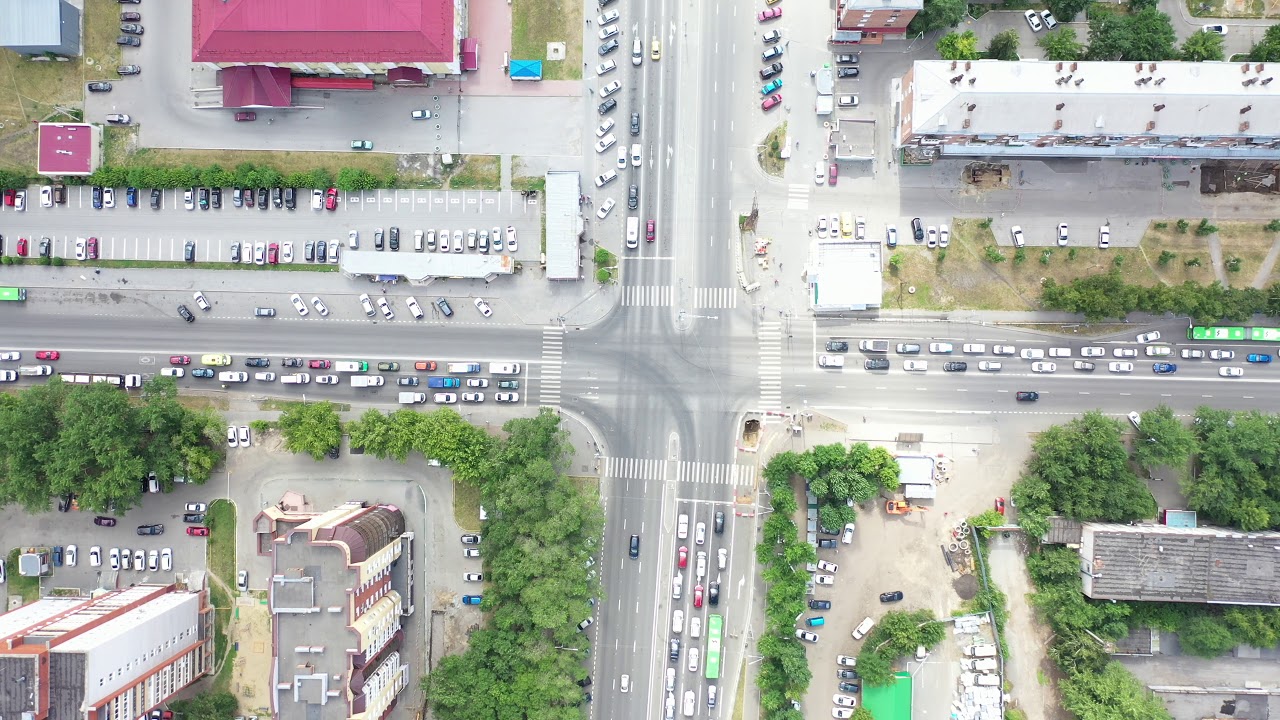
{"points": [[902, 507]]}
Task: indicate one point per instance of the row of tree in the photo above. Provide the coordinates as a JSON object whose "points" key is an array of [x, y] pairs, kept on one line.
{"points": [[837, 475], [543, 527], [96, 442], [1237, 463], [1107, 296], [1147, 35], [245, 175]]}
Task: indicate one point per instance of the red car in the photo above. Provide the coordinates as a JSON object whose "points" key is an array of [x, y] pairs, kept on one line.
{"points": [[179, 359], [319, 364], [22, 247], [198, 531], [682, 560], [697, 596], [93, 248], [10, 196], [48, 354], [833, 174], [648, 230], [1000, 505], [769, 14], [273, 253], [331, 199], [425, 365], [771, 102]]}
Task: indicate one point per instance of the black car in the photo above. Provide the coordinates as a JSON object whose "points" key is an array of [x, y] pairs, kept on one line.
{"points": [[888, 597], [837, 346], [635, 123], [847, 674], [826, 544], [186, 314], [194, 518], [608, 105], [850, 687], [291, 198], [129, 40], [202, 372], [104, 521], [156, 195], [1027, 396], [235, 252], [633, 197], [257, 362], [713, 594], [99, 87], [131, 196], [189, 251], [97, 197], [277, 197], [150, 529], [718, 523], [377, 239], [635, 547], [819, 604], [128, 69], [215, 198], [584, 681], [769, 71], [509, 384], [333, 452], [955, 367], [64, 502], [262, 198], [291, 362], [322, 251], [45, 245], [394, 237], [876, 364], [608, 47], [131, 28], [673, 650], [130, 17], [847, 72], [410, 381], [444, 307], [917, 229]]}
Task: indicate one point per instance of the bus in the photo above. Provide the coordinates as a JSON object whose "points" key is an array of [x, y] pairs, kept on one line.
{"points": [[1264, 334], [13, 294], [1215, 333], [715, 627]]}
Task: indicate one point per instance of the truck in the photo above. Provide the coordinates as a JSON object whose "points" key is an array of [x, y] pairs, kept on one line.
{"points": [[409, 398], [504, 368], [443, 382], [109, 379], [463, 367], [35, 370], [132, 381], [75, 378], [874, 346], [980, 651], [368, 381], [351, 366], [979, 665]]}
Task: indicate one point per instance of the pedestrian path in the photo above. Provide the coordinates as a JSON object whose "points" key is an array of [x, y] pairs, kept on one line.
{"points": [[552, 365], [798, 196], [770, 365], [646, 296], [712, 298], [705, 473]]}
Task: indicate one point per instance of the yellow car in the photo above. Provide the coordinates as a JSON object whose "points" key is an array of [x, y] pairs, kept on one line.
{"points": [[215, 360], [656, 52], [771, 2]]}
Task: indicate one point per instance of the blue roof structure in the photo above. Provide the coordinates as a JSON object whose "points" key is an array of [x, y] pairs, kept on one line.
{"points": [[526, 69]]}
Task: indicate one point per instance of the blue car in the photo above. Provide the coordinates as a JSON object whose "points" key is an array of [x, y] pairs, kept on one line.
{"points": [[1164, 368], [1258, 358], [131, 197], [772, 87], [57, 556], [472, 599]]}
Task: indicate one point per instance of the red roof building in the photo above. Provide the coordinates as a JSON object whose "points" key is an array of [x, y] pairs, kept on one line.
{"points": [[68, 149], [356, 36]]}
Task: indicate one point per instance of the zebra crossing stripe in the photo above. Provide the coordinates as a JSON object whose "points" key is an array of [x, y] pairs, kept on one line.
{"points": [[552, 366]]}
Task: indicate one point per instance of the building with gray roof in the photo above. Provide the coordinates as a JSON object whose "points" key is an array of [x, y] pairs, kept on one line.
{"points": [[844, 275], [564, 225], [419, 268], [37, 27], [992, 108]]}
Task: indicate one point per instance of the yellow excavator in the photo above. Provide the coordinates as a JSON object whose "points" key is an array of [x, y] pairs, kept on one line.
{"points": [[902, 507]]}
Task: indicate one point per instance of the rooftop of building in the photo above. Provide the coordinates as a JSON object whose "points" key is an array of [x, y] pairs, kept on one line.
{"points": [[419, 267], [564, 224], [336, 31], [31, 22], [67, 149], [1182, 99], [845, 275]]}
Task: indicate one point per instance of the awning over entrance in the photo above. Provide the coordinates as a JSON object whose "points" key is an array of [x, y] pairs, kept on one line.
{"points": [[404, 75], [255, 86], [470, 54], [314, 82]]}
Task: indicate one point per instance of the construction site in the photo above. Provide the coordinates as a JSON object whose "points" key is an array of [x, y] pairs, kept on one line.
{"points": [[1239, 177]]}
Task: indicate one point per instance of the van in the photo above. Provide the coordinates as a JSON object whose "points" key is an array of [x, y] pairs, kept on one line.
{"points": [[682, 527], [816, 621], [296, 379], [265, 376], [233, 376], [863, 628], [637, 52], [633, 232], [831, 361], [846, 224]]}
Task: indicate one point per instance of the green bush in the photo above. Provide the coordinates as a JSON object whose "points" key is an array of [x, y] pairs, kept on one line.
{"points": [[1071, 254], [1162, 226], [1182, 226], [942, 255], [1233, 264], [1165, 258], [1273, 226], [1193, 262], [993, 254], [602, 275], [1019, 256], [1118, 261], [1044, 256], [986, 224], [1204, 228]]}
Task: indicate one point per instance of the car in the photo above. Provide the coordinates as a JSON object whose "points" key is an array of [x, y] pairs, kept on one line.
{"points": [[893, 596], [361, 144], [770, 70], [511, 237], [233, 438], [319, 364], [1000, 505], [385, 306], [132, 28], [186, 314], [1215, 29], [604, 127], [151, 529], [1135, 418], [1120, 367], [844, 700], [1043, 367], [1124, 352], [326, 379], [955, 367], [850, 687], [713, 594], [1104, 236], [1050, 22], [828, 566], [1083, 365], [822, 226], [833, 174], [1258, 358], [837, 346], [94, 87], [941, 348], [915, 366], [108, 197], [131, 196], [172, 372], [1092, 351], [22, 247], [944, 236], [608, 47], [202, 373], [819, 604], [655, 50], [166, 559], [1062, 227], [1032, 354], [10, 356], [610, 88], [1033, 19], [847, 536], [1231, 371], [771, 52], [772, 36], [298, 304], [807, 636], [847, 59], [633, 197], [1163, 368], [470, 539], [195, 518], [244, 436], [848, 674], [257, 362], [769, 14], [179, 359], [1027, 396], [608, 31], [1016, 230], [603, 144], [472, 599], [129, 40], [1192, 354], [891, 236], [682, 557], [841, 713], [847, 72], [825, 579], [115, 558], [697, 596], [1149, 337], [331, 199]]}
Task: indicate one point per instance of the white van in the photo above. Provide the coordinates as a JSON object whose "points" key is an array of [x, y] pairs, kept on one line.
{"points": [[633, 233], [637, 52], [233, 376], [417, 241], [831, 361], [863, 628], [677, 622], [296, 379], [265, 376], [682, 526]]}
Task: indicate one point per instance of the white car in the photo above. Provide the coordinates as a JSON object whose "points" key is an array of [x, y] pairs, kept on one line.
{"points": [[989, 366], [825, 579], [286, 252], [1092, 351], [1231, 371], [153, 560], [605, 208], [72, 556], [941, 348], [477, 382], [822, 226], [1222, 354], [473, 577], [1004, 350], [915, 366], [891, 235], [677, 622], [260, 253], [353, 239], [694, 656], [166, 559], [1043, 367], [828, 566], [602, 179], [412, 303], [1125, 352], [608, 31], [844, 700], [1016, 230], [1192, 354], [176, 372], [114, 557], [46, 196], [841, 713], [139, 560], [1033, 19], [819, 173], [188, 200], [1215, 29], [605, 142], [483, 307], [847, 660], [1159, 350], [320, 306], [1135, 418], [622, 157], [95, 556], [201, 302], [507, 397], [326, 379], [197, 507], [1152, 336], [298, 305], [635, 154], [108, 197], [317, 199], [807, 636], [932, 237], [677, 582], [722, 559], [1062, 234], [11, 356], [610, 88], [1104, 237], [474, 397], [975, 348], [1120, 367], [511, 238], [695, 627], [385, 306], [671, 679], [606, 67], [126, 559], [244, 436], [688, 703], [1032, 354], [80, 249], [445, 398], [848, 534], [624, 684], [232, 439], [944, 235]]}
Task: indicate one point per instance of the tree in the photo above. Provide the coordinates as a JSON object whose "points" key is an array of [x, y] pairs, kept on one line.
{"points": [[1201, 46], [1145, 35], [207, 706], [1061, 45], [1268, 48], [936, 15], [959, 46], [1067, 10], [1113, 693], [311, 428], [1004, 46], [1163, 440], [1206, 636]]}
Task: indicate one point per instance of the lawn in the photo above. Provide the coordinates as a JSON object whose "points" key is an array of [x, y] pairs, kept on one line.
{"points": [[477, 172], [221, 520], [534, 23], [27, 587], [768, 152], [466, 507], [120, 152]]}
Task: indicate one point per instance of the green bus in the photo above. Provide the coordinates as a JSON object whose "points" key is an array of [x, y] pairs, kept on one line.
{"points": [[1264, 334], [13, 294], [1216, 333], [715, 628]]}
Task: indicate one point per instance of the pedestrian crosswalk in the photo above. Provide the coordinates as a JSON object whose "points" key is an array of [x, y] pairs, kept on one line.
{"points": [[552, 365], [798, 196], [646, 296], [688, 471], [770, 366], [711, 298]]}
